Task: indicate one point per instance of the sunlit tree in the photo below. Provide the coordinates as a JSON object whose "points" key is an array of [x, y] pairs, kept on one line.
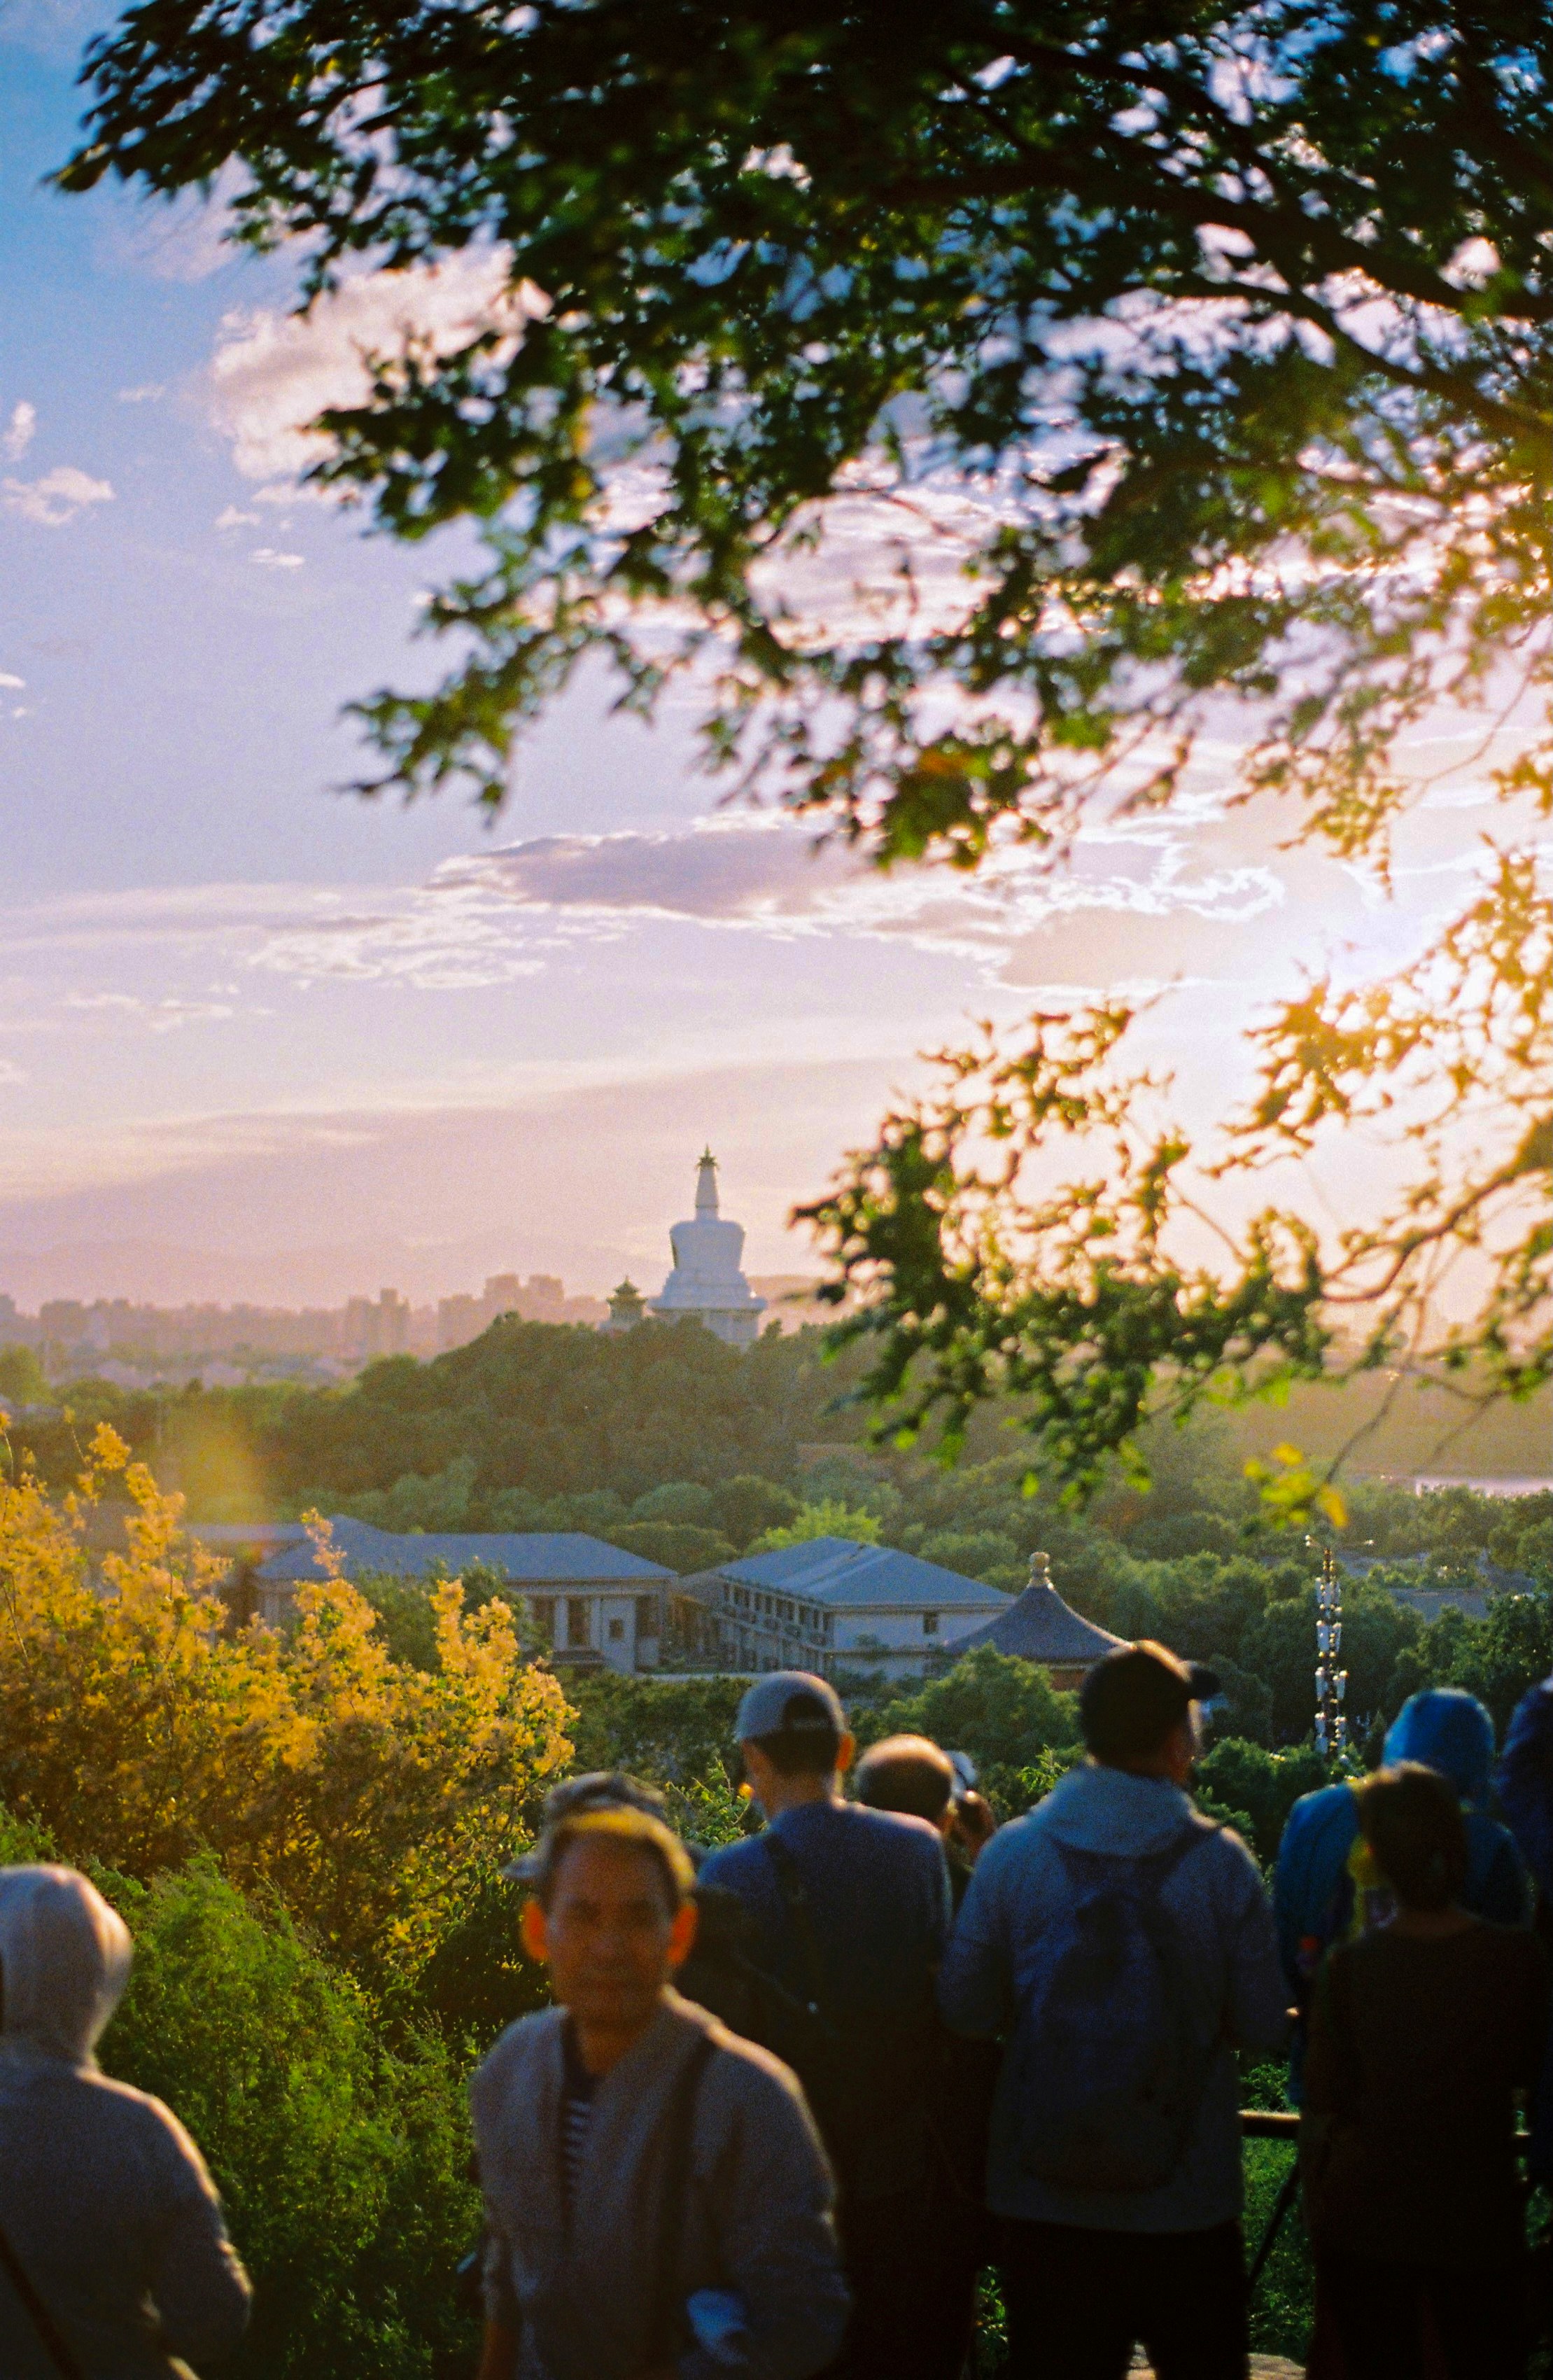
{"points": [[139, 1727], [1171, 361]]}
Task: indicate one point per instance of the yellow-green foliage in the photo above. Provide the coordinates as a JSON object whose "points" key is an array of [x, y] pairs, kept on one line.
{"points": [[368, 1795]]}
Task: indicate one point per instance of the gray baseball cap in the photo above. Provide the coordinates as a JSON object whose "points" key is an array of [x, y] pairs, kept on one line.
{"points": [[790, 1702], [602, 1789]]}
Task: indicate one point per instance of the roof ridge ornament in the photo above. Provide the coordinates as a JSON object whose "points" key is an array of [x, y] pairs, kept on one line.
{"points": [[1040, 1572]]}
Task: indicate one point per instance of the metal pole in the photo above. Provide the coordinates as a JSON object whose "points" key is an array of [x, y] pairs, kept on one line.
{"points": [[1331, 1682]]}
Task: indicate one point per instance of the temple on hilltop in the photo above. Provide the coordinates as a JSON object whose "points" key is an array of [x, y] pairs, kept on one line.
{"points": [[628, 1308], [706, 1281], [1039, 1626]]}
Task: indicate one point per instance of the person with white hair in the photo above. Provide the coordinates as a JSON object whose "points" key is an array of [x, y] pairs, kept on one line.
{"points": [[115, 2261]]}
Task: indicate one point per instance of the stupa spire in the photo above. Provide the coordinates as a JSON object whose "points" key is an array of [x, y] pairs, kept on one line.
{"points": [[707, 1281]]}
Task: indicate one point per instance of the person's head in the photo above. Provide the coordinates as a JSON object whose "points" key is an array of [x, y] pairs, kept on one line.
{"points": [[611, 1915], [601, 1789], [792, 1731], [65, 1957], [1136, 1710], [1411, 1818], [910, 1775], [1447, 1729]]}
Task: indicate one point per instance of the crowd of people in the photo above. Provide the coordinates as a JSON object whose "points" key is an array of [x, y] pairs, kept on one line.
{"points": [[794, 2099]]}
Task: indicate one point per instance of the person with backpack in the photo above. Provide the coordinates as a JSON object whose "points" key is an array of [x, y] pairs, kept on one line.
{"points": [[658, 2204], [1122, 1945], [1424, 2032], [848, 1912], [1326, 1890]]}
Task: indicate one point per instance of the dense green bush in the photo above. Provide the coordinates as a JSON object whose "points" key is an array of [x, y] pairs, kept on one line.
{"points": [[672, 1731], [342, 2161], [339, 2144], [1004, 1712]]}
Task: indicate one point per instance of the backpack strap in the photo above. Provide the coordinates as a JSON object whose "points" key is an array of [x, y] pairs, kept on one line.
{"points": [[54, 2346], [1165, 1864], [800, 1913], [1158, 1867], [674, 2200]]}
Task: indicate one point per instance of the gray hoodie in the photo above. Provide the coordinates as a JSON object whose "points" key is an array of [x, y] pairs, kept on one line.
{"points": [[103, 2197], [581, 2291], [1217, 1900]]}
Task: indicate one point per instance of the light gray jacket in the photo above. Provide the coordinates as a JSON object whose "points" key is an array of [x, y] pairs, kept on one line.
{"points": [[756, 2216], [1217, 1900], [103, 2197]]}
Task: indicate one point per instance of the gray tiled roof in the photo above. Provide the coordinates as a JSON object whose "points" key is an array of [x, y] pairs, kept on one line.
{"points": [[527, 1557], [839, 1573], [1039, 1626]]}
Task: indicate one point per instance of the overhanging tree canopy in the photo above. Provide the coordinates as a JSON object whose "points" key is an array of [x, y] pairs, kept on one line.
{"points": [[1211, 344]]}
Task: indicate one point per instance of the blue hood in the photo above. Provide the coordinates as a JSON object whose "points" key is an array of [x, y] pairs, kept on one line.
{"points": [[1449, 1729]]}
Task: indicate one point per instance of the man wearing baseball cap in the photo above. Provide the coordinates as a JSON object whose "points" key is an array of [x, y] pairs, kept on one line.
{"points": [[849, 1910], [1130, 1942]]}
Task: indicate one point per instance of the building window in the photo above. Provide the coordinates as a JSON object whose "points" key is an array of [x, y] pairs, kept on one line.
{"points": [[617, 1632], [578, 1634], [543, 1608], [930, 1623]]}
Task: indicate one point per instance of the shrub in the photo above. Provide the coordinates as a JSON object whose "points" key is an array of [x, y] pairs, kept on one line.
{"points": [[826, 1519], [1001, 1710], [678, 1545], [368, 1794], [343, 2163]]}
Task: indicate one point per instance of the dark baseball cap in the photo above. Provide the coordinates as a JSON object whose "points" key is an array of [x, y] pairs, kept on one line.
{"points": [[1131, 1699], [602, 1789], [790, 1702]]}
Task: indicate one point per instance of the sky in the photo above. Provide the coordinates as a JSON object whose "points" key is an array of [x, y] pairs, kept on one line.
{"points": [[261, 1039]]}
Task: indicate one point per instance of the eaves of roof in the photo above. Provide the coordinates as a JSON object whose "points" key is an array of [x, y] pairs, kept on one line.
{"points": [[839, 1573], [534, 1558]]}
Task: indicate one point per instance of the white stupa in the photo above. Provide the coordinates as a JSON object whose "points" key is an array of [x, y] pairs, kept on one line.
{"points": [[706, 1281]]}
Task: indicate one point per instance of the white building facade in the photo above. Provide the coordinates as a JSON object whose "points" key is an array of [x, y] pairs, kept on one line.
{"points": [[832, 1605]]}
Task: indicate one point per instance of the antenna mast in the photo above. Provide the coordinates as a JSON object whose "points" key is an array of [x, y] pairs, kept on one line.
{"points": [[1331, 1683]]}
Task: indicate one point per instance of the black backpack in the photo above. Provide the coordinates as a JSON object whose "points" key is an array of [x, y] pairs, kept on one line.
{"points": [[867, 2078]]}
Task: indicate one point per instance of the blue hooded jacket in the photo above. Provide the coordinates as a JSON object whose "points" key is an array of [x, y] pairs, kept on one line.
{"points": [[1445, 1729], [1525, 1783]]}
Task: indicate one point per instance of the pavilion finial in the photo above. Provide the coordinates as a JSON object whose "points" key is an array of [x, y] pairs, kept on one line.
{"points": [[1040, 1570]]}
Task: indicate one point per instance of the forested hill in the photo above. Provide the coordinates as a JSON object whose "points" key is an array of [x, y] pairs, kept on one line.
{"points": [[531, 1418], [528, 1410]]}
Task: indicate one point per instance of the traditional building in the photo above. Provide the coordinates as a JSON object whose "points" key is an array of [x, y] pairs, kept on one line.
{"points": [[1039, 1626], [830, 1605], [706, 1281], [628, 1308], [594, 1604]]}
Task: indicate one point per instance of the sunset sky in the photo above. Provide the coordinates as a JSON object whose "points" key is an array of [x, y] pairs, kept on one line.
{"points": [[258, 1039]]}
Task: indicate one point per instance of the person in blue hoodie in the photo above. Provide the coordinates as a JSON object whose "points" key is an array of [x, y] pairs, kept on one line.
{"points": [[1326, 1890], [1525, 1778], [1122, 1946]]}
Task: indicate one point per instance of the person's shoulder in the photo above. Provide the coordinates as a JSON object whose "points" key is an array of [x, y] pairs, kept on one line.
{"points": [[146, 2127], [1320, 1808], [732, 1867], [515, 2052], [1512, 1947], [1233, 1855], [894, 1831], [745, 2077]]}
